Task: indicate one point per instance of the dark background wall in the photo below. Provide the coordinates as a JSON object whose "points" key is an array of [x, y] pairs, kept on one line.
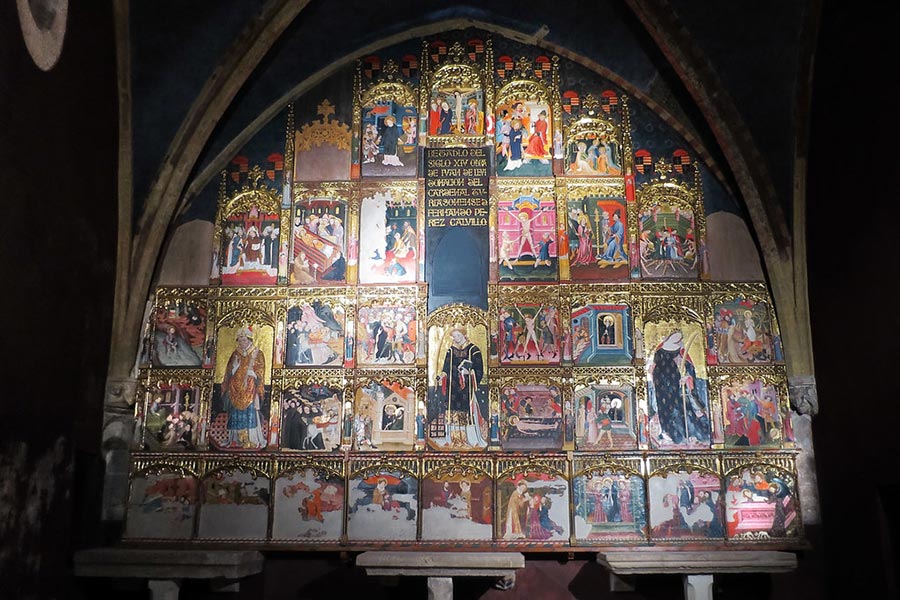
{"points": [[58, 153], [854, 257]]}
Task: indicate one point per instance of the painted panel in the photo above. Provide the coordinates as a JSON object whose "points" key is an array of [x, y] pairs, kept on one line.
{"points": [[527, 242], [388, 243], [605, 418], [179, 335], [171, 420], [383, 506], [760, 504], [677, 387], [251, 248], [668, 244], [162, 506], [389, 140], [601, 334], [311, 417], [240, 405], [319, 248], [387, 334], [457, 506], [458, 391], [609, 507], [315, 334], [533, 506], [235, 505], [531, 418], [598, 239], [530, 335], [309, 507], [524, 135], [685, 505]]}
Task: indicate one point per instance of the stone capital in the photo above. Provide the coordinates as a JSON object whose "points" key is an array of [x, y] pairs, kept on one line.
{"points": [[804, 397], [119, 393]]}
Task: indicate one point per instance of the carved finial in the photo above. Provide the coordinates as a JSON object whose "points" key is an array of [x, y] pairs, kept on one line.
{"points": [[457, 52], [523, 66], [662, 168], [255, 176], [325, 109], [389, 70], [590, 104]]}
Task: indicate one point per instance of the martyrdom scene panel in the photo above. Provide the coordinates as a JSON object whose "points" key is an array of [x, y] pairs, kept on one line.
{"points": [[387, 334], [668, 243], [530, 334], [527, 239]]}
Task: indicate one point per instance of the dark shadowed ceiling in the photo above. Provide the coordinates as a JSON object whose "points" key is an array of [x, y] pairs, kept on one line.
{"points": [[755, 49]]}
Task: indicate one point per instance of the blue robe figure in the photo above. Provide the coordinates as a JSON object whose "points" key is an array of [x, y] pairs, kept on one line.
{"points": [[446, 121], [609, 160], [614, 243], [236, 246], [544, 252], [337, 269], [395, 269], [515, 144], [420, 427], [681, 410], [715, 529], [609, 499]]}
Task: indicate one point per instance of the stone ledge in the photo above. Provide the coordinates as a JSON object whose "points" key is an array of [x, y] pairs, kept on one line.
{"points": [[687, 562], [441, 564], [166, 564]]}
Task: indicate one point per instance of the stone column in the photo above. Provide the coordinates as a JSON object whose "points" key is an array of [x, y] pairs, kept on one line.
{"points": [[805, 400], [440, 588], [118, 434], [698, 587], [164, 589]]}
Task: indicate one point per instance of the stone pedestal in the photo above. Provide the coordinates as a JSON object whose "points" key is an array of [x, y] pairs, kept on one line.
{"points": [[164, 569], [698, 587], [697, 568], [441, 567]]}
